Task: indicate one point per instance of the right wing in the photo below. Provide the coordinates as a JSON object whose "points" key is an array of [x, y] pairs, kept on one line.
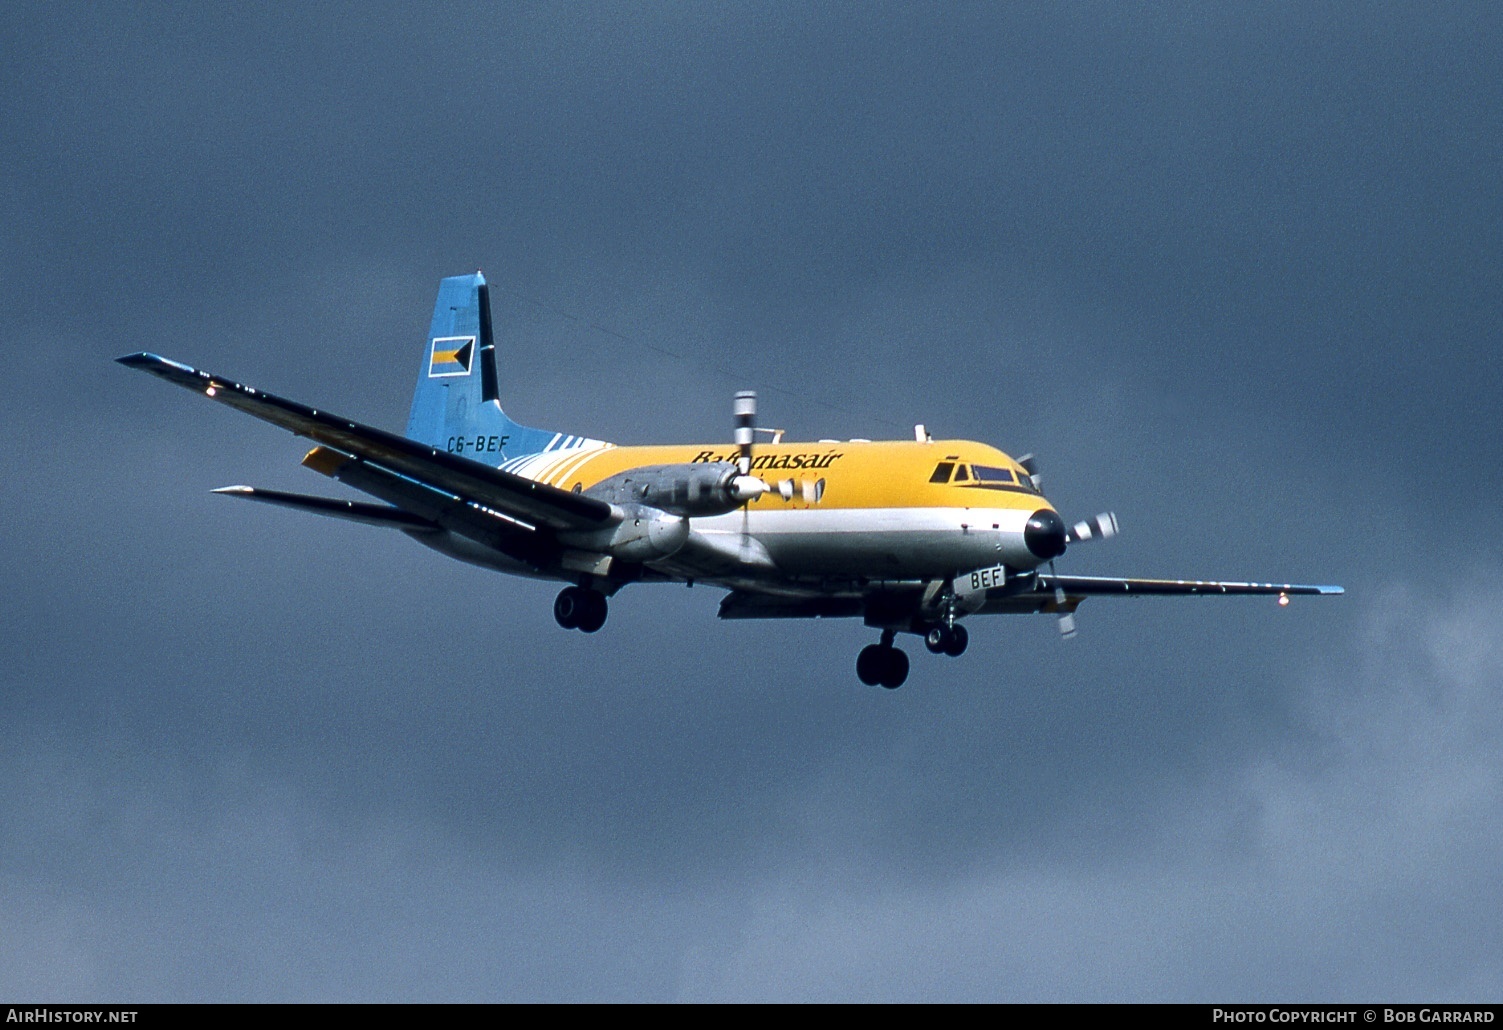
{"points": [[468, 496]]}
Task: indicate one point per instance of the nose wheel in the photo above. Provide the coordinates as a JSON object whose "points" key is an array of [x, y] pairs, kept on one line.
{"points": [[950, 640], [581, 609]]}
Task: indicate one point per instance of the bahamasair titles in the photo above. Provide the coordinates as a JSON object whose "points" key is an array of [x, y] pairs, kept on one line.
{"points": [[911, 536]]}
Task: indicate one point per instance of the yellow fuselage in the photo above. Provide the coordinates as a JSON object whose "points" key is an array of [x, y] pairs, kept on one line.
{"points": [[888, 510]]}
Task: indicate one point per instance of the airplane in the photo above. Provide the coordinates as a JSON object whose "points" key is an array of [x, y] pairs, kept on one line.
{"points": [[911, 536]]}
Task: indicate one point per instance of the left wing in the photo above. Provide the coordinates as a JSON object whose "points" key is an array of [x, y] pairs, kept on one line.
{"points": [[395, 459], [1085, 586], [903, 602]]}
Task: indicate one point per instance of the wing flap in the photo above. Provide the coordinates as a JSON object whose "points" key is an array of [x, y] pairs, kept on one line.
{"points": [[512, 495]]}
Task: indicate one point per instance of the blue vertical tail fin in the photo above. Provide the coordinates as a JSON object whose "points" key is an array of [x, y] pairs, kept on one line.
{"points": [[456, 406]]}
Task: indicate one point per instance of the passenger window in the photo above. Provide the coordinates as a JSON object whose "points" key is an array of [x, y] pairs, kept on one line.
{"points": [[942, 472]]}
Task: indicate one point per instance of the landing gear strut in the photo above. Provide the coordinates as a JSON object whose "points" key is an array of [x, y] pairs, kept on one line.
{"points": [[578, 608], [882, 664]]}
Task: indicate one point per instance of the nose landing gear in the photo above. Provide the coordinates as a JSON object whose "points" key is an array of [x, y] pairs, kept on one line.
{"points": [[881, 664], [950, 640]]}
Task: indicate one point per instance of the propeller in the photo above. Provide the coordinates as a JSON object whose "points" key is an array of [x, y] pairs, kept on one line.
{"points": [[1098, 527], [747, 487], [1048, 542]]}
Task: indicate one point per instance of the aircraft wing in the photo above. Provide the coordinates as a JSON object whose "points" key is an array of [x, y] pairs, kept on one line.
{"points": [[1086, 586], [748, 604], [514, 497]]}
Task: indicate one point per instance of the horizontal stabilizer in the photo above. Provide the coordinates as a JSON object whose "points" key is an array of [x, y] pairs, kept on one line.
{"points": [[353, 511]]}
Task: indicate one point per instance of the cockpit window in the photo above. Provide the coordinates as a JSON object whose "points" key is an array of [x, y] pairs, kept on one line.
{"points": [[992, 476]]}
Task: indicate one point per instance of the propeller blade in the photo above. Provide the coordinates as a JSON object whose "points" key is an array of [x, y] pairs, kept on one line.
{"points": [[1066, 619], [1101, 527], [745, 410], [1031, 467]]}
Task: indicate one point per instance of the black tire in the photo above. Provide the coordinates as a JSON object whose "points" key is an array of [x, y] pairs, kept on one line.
{"points": [[959, 638], [568, 606], [870, 663], [894, 668], [937, 639], [595, 611]]}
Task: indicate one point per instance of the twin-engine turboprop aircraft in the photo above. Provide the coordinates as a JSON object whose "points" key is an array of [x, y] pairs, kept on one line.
{"points": [[911, 536]]}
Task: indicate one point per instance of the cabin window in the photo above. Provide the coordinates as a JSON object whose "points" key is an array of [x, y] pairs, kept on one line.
{"points": [[987, 474], [942, 472], [961, 475]]}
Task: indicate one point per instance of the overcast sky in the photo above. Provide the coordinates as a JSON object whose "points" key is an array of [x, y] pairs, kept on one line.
{"points": [[1233, 271]]}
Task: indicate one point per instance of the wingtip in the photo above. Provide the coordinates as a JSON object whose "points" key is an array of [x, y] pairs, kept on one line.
{"points": [[153, 362]]}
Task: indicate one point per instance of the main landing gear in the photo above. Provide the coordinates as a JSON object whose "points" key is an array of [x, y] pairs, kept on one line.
{"points": [[580, 608], [882, 664]]}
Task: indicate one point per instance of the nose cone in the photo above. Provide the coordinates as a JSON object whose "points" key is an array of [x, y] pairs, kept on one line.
{"points": [[1044, 535]]}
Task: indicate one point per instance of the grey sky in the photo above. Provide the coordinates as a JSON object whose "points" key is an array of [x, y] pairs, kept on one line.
{"points": [[1233, 273]]}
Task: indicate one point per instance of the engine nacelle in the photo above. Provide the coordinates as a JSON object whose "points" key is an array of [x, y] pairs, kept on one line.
{"points": [[711, 488], [644, 534]]}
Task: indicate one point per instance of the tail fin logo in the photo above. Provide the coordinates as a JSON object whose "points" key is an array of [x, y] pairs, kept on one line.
{"points": [[451, 356]]}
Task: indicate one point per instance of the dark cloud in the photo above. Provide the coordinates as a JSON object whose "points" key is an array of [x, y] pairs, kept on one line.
{"points": [[1231, 273]]}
